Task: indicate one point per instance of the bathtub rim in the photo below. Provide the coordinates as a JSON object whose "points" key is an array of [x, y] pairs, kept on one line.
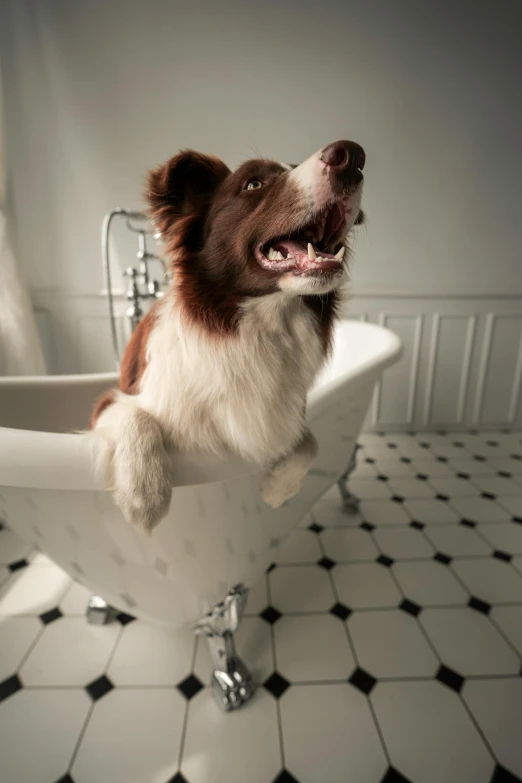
{"points": [[25, 454]]}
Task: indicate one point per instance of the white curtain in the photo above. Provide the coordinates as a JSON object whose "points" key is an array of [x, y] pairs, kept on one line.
{"points": [[20, 349]]}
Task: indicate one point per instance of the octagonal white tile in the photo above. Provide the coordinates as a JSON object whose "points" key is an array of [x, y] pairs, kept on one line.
{"points": [[70, 652], [152, 655], [140, 734], [391, 644], [312, 648], [468, 643], [220, 746], [365, 585], [330, 736], [40, 729], [497, 708], [429, 735]]}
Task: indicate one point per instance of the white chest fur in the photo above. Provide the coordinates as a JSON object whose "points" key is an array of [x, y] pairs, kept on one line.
{"points": [[245, 393]]}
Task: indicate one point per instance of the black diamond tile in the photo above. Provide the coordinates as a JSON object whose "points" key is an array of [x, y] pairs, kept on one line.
{"points": [[502, 775], [442, 432], [341, 611], [384, 560], [10, 686], [504, 474], [518, 457], [392, 445], [450, 678], [99, 687], [124, 618], [517, 520], [276, 685], [467, 522], [315, 528], [492, 443], [65, 779], [410, 607], [17, 565], [422, 476], [285, 777], [271, 568], [397, 498], [442, 459], [463, 475], [178, 778], [479, 605], [479, 458], [367, 526], [406, 460], [417, 525], [502, 556], [488, 496], [50, 616], [392, 776], [370, 461], [458, 444], [189, 687], [382, 477], [363, 681], [326, 563], [440, 557], [271, 615], [443, 498], [424, 445]]}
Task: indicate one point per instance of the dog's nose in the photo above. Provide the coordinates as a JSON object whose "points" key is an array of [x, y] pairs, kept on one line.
{"points": [[346, 157]]}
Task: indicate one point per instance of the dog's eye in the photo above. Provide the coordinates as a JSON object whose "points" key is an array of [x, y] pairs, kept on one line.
{"points": [[254, 184]]}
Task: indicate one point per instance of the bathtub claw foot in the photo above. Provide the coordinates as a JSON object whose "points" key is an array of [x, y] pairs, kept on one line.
{"points": [[98, 611], [232, 682], [350, 502], [234, 687]]}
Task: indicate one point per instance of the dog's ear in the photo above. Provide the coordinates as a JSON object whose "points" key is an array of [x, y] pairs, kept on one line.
{"points": [[360, 219], [183, 187]]}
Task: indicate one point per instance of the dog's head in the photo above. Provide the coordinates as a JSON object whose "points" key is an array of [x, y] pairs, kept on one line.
{"points": [[263, 228]]}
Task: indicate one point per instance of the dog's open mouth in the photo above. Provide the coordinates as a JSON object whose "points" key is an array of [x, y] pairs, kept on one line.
{"points": [[305, 252]]}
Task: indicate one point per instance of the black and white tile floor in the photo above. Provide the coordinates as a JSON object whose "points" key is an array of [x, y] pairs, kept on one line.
{"points": [[387, 645]]}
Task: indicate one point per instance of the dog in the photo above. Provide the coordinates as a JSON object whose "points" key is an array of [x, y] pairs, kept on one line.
{"points": [[223, 362]]}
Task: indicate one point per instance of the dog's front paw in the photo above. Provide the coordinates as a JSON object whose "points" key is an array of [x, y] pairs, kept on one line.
{"points": [[277, 489], [143, 490]]}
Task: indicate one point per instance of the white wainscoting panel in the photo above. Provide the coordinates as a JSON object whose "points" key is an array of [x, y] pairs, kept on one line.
{"points": [[461, 368]]}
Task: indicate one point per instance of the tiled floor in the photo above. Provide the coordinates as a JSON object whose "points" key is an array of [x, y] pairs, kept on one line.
{"points": [[387, 646]]}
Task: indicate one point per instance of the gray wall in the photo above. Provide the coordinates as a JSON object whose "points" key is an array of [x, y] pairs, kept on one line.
{"points": [[99, 91]]}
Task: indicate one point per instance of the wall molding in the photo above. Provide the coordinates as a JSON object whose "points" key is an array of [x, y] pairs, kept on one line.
{"points": [[454, 362]]}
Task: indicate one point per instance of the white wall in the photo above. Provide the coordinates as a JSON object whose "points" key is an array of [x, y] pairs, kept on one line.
{"points": [[97, 92]]}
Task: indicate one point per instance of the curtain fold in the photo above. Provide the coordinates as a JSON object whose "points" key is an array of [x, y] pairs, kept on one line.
{"points": [[20, 348]]}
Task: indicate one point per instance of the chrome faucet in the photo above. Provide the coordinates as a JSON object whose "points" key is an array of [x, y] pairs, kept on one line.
{"points": [[140, 286]]}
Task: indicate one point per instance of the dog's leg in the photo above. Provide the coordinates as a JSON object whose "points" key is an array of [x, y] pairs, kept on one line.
{"points": [[285, 477], [132, 459]]}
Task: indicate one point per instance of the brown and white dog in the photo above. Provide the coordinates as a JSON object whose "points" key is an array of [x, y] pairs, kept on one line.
{"points": [[223, 362]]}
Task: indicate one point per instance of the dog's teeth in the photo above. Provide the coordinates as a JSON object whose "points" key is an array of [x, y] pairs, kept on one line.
{"points": [[340, 255], [311, 252], [274, 255], [279, 256]]}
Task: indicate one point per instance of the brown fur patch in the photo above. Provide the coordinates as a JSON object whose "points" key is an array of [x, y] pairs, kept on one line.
{"points": [[107, 399], [134, 360]]}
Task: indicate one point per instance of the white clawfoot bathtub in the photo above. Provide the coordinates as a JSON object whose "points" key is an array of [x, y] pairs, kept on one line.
{"points": [[218, 533]]}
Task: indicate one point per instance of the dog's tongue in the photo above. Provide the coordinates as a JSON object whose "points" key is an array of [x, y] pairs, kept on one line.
{"points": [[297, 250]]}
